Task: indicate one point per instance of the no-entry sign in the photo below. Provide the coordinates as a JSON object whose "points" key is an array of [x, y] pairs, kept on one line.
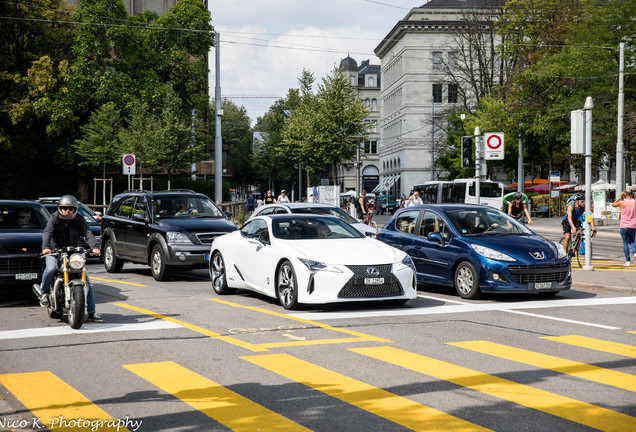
{"points": [[494, 146], [129, 161]]}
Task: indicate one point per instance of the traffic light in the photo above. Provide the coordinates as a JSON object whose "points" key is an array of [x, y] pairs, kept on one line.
{"points": [[467, 152]]}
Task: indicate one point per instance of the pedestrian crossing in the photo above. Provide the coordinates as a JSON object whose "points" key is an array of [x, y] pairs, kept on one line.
{"points": [[63, 408]]}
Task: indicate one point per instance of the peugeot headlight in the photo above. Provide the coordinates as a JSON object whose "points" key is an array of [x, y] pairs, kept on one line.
{"points": [[407, 262], [177, 237], [76, 261], [316, 266], [491, 253], [560, 251]]}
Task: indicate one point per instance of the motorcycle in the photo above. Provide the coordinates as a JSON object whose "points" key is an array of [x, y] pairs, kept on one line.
{"points": [[70, 288]]}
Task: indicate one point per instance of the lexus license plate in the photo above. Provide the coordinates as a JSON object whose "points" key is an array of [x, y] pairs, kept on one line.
{"points": [[373, 281], [26, 276], [542, 285]]}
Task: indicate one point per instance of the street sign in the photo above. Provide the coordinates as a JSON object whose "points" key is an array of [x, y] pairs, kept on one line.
{"points": [[494, 146], [129, 163], [555, 177]]}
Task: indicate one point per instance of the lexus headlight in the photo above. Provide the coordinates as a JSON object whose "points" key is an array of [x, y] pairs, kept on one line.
{"points": [[491, 253], [316, 266], [560, 251], [177, 237], [76, 261], [407, 262]]}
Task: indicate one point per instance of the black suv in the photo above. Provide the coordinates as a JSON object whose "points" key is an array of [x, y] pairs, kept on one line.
{"points": [[164, 230]]}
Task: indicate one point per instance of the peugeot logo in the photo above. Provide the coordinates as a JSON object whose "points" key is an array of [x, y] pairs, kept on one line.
{"points": [[537, 255], [372, 271]]}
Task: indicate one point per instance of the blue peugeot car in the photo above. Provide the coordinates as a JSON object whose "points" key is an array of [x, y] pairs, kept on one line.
{"points": [[477, 249]]}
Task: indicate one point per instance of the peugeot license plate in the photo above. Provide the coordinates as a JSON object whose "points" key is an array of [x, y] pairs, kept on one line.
{"points": [[542, 285], [373, 281], [26, 276]]}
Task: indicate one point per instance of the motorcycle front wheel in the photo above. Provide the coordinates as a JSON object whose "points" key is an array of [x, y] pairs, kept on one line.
{"points": [[78, 305]]}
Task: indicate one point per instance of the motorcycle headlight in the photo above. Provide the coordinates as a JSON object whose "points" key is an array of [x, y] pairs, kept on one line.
{"points": [[177, 237], [491, 253], [407, 262], [316, 266], [560, 251], [76, 261]]}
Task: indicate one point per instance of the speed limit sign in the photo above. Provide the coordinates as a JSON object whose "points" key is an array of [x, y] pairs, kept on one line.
{"points": [[494, 146], [129, 162]]}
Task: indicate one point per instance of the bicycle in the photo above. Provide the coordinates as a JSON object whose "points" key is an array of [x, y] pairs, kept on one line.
{"points": [[577, 246], [368, 220]]}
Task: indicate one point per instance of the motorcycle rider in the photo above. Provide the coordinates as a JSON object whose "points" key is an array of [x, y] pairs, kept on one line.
{"points": [[65, 227]]}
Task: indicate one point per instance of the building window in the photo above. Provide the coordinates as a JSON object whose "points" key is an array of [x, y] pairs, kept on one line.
{"points": [[437, 60], [370, 82], [353, 80], [374, 104], [367, 103], [437, 93], [453, 60], [370, 147], [452, 93]]}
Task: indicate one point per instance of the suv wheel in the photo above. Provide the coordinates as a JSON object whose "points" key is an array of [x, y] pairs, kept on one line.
{"points": [[160, 271], [111, 262]]}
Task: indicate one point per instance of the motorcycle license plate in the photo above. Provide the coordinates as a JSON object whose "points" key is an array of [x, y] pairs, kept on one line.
{"points": [[26, 276], [542, 285], [373, 281]]}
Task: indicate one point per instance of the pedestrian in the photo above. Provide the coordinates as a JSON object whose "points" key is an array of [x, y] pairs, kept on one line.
{"points": [[269, 199], [572, 220], [628, 223], [361, 205], [259, 202], [518, 209], [250, 203], [414, 200], [282, 198]]}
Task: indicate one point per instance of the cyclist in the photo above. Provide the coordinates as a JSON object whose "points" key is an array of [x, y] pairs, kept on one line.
{"points": [[572, 220]]}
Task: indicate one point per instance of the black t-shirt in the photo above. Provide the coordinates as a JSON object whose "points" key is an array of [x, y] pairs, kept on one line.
{"points": [[269, 200]]}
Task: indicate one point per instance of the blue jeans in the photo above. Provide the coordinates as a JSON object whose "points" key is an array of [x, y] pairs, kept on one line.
{"points": [[47, 281], [629, 236]]}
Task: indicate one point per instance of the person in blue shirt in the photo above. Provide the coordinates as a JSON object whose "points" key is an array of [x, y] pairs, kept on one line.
{"points": [[250, 203], [572, 220]]}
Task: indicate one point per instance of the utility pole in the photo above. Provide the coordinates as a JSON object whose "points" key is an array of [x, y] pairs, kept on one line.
{"points": [[620, 158], [218, 141], [520, 175], [433, 137], [589, 106], [477, 137]]}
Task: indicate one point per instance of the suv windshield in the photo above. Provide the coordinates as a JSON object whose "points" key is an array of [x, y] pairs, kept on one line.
{"points": [[299, 228], [331, 211], [475, 222], [184, 206]]}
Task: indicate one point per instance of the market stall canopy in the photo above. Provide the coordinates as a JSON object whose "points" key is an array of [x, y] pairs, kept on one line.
{"points": [[599, 185]]}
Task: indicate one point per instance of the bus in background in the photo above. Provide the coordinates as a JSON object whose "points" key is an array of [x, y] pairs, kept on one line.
{"points": [[461, 191]]}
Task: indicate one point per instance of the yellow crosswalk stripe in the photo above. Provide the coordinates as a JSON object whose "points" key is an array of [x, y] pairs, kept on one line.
{"points": [[595, 344], [560, 406], [580, 370], [58, 406], [374, 400], [217, 402]]}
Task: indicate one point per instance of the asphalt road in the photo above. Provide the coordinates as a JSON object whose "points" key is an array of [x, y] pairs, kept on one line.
{"points": [[173, 356]]}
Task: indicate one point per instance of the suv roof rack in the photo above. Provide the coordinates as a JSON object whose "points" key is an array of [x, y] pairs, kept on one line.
{"points": [[176, 190], [136, 190]]}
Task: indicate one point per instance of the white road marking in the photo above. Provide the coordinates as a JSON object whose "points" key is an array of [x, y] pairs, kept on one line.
{"points": [[483, 307], [87, 328]]}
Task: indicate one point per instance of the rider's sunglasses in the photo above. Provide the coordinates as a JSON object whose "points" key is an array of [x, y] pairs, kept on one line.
{"points": [[67, 208]]}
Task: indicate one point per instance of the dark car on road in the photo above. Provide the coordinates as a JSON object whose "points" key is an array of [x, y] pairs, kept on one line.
{"points": [[477, 249], [21, 226], [166, 230]]}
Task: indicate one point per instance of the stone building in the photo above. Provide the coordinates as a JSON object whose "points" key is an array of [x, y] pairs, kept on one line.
{"points": [[366, 77]]}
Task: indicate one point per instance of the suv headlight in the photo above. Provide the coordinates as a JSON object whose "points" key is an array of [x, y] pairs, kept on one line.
{"points": [[76, 261], [560, 251], [491, 253], [407, 262], [177, 237], [316, 266]]}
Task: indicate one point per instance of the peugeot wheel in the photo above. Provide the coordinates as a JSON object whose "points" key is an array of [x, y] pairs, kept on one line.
{"points": [[467, 281]]}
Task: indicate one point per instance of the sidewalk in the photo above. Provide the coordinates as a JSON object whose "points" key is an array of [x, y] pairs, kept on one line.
{"points": [[610, 277]]}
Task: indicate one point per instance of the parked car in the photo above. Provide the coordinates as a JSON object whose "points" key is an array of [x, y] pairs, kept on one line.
{"points": [[477, 249], [165, 230], [310, 259], [21, 226], [93, 224], [386, 204], [314, 208], [48, 202]]}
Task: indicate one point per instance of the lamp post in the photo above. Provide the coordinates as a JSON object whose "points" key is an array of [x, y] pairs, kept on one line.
{"points": [[477, 136]]}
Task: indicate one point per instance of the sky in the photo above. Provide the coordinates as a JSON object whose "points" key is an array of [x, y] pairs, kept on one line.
{"points": [[265, 44]]}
